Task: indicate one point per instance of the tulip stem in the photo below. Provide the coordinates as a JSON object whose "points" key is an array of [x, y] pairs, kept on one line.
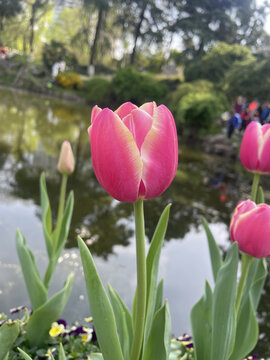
{"points": [[246, 262], [141, 281], [61, 207], [255, 184]]}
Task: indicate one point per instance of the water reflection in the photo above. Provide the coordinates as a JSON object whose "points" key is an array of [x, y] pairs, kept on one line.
{"points": [[32, 129]]}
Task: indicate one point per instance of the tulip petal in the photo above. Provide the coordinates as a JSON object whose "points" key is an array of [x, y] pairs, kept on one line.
{"points": [[253, 232], [264, 154], [94, 113], [149, 107], [139, 123], [125, 109], [241, 208], [115, 156], [159, 153], [252, 140]]}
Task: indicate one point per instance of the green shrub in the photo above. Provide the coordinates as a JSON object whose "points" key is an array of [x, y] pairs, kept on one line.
{"points": [[200, 109], [55, 52], [98, 91], [130, 85], [69, 80]]}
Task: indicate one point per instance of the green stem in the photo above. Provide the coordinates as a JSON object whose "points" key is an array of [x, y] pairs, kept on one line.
{"points": [[255, 184], [141, 281], [61, 207], [246, 262]]}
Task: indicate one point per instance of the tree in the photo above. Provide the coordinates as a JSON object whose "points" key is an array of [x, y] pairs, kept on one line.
{"points": [[203, 22], [38, 9], [145, 21], [8, 9], [101, 6]]}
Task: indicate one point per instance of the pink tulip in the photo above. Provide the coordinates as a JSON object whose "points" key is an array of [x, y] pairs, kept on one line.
{"points": [[250, 227], [255, 148], [66, 160], [134, 150]]}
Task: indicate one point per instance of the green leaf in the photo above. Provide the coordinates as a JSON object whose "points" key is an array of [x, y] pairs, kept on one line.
{"points": [[65, 225], [46, 215], [201, 324], [258, 282], [158, 344], [37, 329], [96, 356], [152, 265], [246, 332], [260, 196], [61, 355], [224, 297], [100, 307], [58, 244], [215, 256], [24, 355], [159, 297], [123, 321], [8, 334], [35, 287]]}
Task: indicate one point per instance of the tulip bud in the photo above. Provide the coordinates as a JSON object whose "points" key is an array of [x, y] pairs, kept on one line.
{"points": [[134, 150], [255, 148], [250, 227], [66, 160]]}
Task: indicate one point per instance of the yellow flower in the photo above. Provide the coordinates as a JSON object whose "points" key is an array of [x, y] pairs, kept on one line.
{"points": [[88, 335], [88, 319], [56, 329]]}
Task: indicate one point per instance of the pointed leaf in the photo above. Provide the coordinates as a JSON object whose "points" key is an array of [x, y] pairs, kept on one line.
{"points": [[159, 297], [36, 290], [224, 297], [215, 256], [247, 331], [152, 264], [46, 215], [61, 355], [258, 282], [100, 306], [8, 334], [201, 323], [24, 355], [37, 329], [65, 225], [158, 344], [123, 321]]}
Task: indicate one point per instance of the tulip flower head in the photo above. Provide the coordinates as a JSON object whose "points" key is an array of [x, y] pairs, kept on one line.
{"points": [[134, 150], [250, 227], [66, 160], [255, 148]]}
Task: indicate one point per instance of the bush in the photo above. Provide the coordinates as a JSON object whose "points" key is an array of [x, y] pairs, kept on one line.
{"points": [[200, 110], [130, 85], [69, 80], [55, 52], [98, 91]]}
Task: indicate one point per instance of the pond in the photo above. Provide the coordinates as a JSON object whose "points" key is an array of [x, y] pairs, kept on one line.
{"points": [[32, 129]]}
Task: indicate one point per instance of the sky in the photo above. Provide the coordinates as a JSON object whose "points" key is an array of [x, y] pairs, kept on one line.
{"points": [[267, 22]]}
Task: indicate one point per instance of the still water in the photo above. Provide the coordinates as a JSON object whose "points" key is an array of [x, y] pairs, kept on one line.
{"points": [[32, 129]]}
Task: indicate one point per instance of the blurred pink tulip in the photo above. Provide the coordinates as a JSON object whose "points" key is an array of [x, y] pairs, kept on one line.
{"points": [[250, 227], [134, 150], [255, 148], [66, 160]]}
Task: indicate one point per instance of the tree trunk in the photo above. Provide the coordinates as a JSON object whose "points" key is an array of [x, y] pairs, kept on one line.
{"points": [[32, 25], [94, 45], [137, 33], [1, 28]]}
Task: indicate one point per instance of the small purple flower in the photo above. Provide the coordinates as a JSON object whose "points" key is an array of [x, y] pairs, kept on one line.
{"points": [[77, 331], [62, 322]]}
